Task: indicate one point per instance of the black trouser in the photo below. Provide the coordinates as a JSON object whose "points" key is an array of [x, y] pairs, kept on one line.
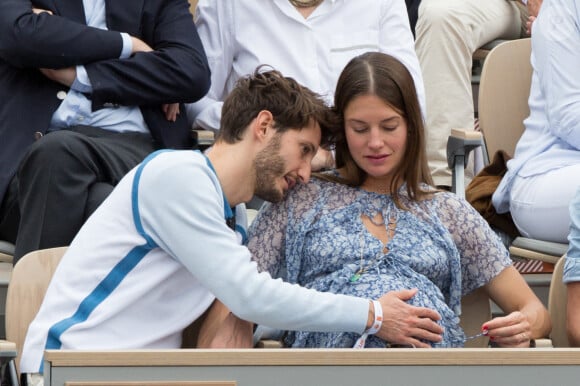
{"points": [[9, 213], [62, 179]]}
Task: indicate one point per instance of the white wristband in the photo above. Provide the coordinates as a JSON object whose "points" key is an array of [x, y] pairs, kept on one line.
{"points": [[374, 328]]}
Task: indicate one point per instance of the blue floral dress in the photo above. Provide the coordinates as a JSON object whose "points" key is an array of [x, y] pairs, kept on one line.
{"points": [[316, 238]]}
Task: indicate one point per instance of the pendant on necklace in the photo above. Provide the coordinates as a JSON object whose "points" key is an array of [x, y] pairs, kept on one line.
{"points": [[357, 275]]}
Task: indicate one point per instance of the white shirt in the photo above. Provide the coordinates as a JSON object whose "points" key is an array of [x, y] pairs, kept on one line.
{"points": [[150, 260], [239, 35], [76, 108], [552, 136]]}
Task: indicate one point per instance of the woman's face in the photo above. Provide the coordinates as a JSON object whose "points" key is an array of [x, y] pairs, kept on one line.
{"points": [[376, 136]]}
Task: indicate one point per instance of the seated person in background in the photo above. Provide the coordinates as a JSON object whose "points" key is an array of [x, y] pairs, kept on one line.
{"points": [[572, 273], [544, 174], [448, 33], [375, 225], [309, 40], [153, 256], [87, 79]]}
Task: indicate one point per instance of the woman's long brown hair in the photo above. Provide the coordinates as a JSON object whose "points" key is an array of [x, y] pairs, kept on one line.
{"points": [[375, 73]]}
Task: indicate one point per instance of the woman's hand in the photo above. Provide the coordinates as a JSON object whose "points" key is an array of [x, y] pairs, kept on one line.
{"points": [[527, 318], [408, 325], [513, 330]]}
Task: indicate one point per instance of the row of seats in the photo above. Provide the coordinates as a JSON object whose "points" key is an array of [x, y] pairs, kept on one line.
{"points": [[502, 111], [30, 279], [502, 115]]}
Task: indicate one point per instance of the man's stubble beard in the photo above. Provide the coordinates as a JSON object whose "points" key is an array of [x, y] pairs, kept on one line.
{"points": [[269, 166]]}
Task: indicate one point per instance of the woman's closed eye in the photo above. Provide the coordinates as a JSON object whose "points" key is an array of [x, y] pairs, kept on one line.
{"points": [[389, 127], [359, 128]]}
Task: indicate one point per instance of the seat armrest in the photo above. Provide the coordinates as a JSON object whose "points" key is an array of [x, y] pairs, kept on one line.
{"points": [[8, 355], [202, 139], [7, 350], [545, 247], [269, 343], [462, 142], [544, 342], [459, 145], [537, 249], [267, 334], [6, 251]]}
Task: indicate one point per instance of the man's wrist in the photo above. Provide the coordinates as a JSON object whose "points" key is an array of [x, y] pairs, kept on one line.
{"points": [[371, 316], [374, 324], [127, 48], [377, 319]]}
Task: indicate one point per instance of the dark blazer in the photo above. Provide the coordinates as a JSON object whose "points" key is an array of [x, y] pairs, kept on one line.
{"points": [[176, 71]]}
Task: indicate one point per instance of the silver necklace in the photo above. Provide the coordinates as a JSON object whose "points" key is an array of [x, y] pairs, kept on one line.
{"points": [[364, 268], [305, 3]]}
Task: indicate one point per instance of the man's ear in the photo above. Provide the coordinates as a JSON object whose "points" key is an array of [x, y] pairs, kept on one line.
{"points": [[263, 125]]}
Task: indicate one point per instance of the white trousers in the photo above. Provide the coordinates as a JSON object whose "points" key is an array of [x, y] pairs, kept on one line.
{"points": [[539, 205], [447, 34]]}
